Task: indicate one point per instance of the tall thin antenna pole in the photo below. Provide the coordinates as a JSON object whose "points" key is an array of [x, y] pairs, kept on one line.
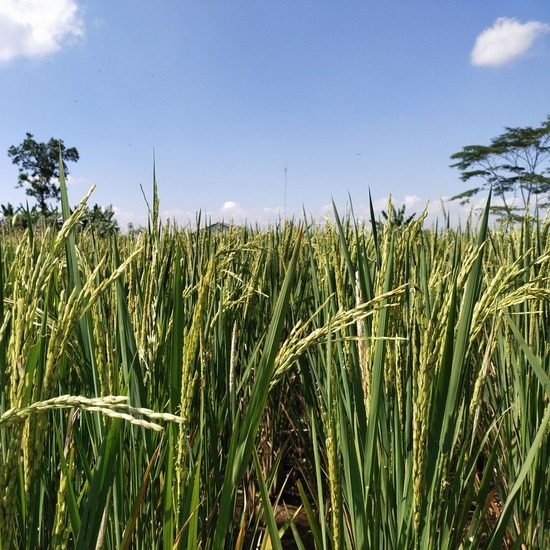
{"points": [[286, 174]]}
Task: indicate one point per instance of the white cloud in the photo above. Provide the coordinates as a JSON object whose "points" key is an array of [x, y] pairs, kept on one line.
{"points": [[411, 201], [232, 212], [506, 41], [229, 212], [125, 217], [73, 181], [229, 206], [35, 28], [437, 209]]}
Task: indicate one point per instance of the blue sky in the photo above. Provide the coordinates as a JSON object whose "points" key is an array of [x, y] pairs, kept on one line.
{"points": [[347, 95]]}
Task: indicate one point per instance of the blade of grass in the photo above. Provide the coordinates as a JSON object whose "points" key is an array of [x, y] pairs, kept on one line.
{"points": [[535, 362], [313, 524], [497, 536], [131, 524], [266, 505], [244, 434], [84, 331], [96, 500]]}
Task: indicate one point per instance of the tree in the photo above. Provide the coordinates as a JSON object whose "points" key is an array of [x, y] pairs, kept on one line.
{"points": [[101, 220], [38, 165], [517, 161], [397, 218], [19, 217], [8, 210]]}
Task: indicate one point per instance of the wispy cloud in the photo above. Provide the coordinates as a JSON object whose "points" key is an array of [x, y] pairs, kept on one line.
{"points": [[437, 210], [125, 217], [230, 208], [37, 28], [505, 41], [229, 212], [233, 212]]}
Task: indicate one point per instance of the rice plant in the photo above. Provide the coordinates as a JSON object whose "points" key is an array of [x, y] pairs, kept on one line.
{"points": [[335, 385]]}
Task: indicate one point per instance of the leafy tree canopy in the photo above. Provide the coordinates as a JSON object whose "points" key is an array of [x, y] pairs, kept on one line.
{"points": [[101, 220], [397, 218], [515, 165], [38, 165]]}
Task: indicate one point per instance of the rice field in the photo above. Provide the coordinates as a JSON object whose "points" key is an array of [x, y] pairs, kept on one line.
{"points": [[331, 386]]}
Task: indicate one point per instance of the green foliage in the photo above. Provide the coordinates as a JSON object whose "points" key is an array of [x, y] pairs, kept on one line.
{"points": [[396, 217], [21, 217], [516, 162], [335, 385], [38, 165], [101, 220], [8, 210]]}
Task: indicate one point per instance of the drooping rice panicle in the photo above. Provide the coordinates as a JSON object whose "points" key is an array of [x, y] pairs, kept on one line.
{"points": [[396, 386]]}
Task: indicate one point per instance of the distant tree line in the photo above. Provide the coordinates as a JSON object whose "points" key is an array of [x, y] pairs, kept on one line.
{"points": [[515, 166], [38, 165]]}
